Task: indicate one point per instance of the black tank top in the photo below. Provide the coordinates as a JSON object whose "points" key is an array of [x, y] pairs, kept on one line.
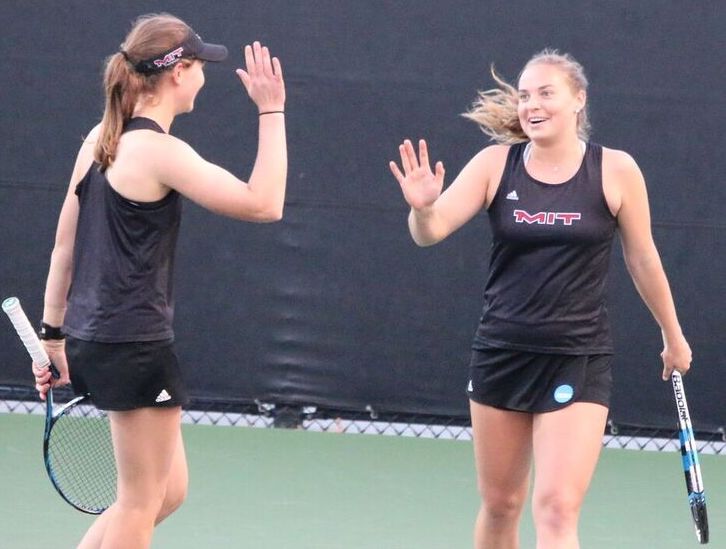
{"points": [[123, 261], [549, 262]]}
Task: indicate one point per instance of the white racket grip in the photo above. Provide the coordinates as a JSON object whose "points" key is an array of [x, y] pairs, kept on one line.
{"points": [[15, 312], [684, 414]]}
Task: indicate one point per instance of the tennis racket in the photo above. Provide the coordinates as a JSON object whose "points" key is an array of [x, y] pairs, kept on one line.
{"points": [[77, 448], [691, 467]]}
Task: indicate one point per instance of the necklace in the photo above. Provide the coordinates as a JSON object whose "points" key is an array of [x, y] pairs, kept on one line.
{"points": [[528, 153]]}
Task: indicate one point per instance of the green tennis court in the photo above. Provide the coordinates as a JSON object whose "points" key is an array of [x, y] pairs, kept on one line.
{"points": [[278, 489]]}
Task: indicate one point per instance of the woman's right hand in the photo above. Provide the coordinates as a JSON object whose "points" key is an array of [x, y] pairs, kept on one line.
{"points": [[44, 380], [420, 186], [263, 78]]}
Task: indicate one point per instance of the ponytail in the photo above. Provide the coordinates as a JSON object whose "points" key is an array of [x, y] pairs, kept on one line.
{"points": [[122, 87], [495, 111]]}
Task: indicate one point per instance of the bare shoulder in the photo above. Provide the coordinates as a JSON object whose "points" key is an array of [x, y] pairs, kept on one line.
{"points": [[493, 159], [155, 142], [622, 179], [494, 153], [92, 136], [167, 159], [150, 149], [85, 157], [90, 140], [618, 162], [489, 162]]}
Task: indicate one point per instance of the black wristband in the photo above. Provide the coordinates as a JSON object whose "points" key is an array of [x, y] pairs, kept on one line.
{"points": [[270, 112], [50, 332]]}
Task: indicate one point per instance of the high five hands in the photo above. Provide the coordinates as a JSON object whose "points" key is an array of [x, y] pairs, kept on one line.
{"points": [[420, 186], [263, 78]]}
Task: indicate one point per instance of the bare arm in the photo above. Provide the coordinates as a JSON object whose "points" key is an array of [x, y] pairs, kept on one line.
{"points": [[178, 166], [218, 190], [61, 260], [643, 261], [61, 267], [435, 215]]}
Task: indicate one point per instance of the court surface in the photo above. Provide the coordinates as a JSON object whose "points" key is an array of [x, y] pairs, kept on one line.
{"points": [[279, 489]]}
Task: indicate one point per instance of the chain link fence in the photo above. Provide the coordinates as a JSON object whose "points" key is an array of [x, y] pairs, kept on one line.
{"points": [[24, 400]]}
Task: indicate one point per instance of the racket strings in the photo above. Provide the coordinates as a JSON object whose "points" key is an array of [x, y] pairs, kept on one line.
{"points": [[80, 458]]}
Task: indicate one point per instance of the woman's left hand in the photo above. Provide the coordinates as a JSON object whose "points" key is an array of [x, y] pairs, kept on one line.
{"points": [[676, 356]]}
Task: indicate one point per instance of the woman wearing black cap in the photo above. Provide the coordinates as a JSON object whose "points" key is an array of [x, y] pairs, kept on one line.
{"points": [[109, 287]]}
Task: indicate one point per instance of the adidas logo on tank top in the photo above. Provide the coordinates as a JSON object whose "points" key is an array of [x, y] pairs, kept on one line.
{"points": [[163, 396]]}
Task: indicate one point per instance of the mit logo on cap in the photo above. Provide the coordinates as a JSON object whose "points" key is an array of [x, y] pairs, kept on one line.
{"points": [[170, 58], [192, 47]]}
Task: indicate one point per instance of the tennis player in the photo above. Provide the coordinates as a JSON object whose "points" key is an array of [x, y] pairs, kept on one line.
{"points": [[109, 287], [540, 372]]}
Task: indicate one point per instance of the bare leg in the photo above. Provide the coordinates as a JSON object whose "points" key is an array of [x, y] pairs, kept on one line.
{"points": [[176, 487], [502, 450], [146, 443], [175, 494], [567, 445]]}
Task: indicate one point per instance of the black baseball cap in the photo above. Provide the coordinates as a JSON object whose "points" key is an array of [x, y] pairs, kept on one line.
{"points": [[192, 47]]}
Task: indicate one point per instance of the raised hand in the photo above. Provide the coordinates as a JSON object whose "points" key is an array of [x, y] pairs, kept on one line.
{"points": [[420, 186], [263, 78]]}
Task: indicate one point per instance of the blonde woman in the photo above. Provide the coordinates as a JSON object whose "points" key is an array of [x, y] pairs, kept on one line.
{"points": [[540, 372], [107, 320]]}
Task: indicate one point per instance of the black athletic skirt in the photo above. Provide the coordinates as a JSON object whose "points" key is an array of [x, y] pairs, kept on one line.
{"points": [[538, 382], [126, 376]]}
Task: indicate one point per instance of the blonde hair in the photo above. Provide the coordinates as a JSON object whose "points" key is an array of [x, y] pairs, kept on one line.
{"points": [[150, 35], [495, 110]]}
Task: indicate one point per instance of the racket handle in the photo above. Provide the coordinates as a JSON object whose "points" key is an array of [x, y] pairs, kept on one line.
{"points": [[27, 334], [684, 416]]}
